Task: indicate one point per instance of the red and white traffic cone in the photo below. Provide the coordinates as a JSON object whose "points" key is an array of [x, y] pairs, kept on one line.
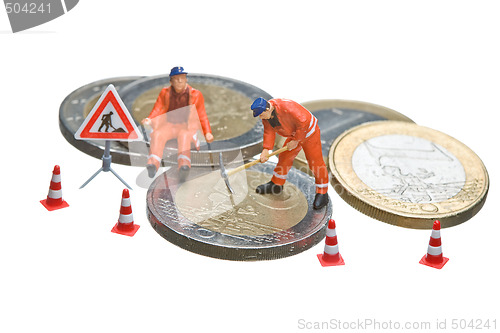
{"points": [[54, 198], [331, 255], [125, 225], [434, 257]]}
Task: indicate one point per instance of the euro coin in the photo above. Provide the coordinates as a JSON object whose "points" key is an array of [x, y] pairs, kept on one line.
{"points": [[200, 215], [408, 175]]}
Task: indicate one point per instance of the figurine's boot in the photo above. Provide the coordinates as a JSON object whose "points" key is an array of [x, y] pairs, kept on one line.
{"points": [[151, 170], [320, 200], [153, 165], [269, 188], [183, 173]]}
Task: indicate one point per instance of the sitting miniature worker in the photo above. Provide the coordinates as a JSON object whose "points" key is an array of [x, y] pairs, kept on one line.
{"points": [[291, 120], [178, 112]]}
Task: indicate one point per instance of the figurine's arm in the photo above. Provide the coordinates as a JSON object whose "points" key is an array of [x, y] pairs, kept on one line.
{"points": [[158, 109], [199, 103], [269, 135], [302, 125], [292, 144], [301, 129]]}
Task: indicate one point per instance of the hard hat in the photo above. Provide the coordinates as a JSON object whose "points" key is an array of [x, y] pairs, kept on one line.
{"points": [[258, 106], [177, 70]]}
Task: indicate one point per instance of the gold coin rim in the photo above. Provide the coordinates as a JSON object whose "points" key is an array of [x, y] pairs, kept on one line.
{"points": [[350, 188], [379, 110]]}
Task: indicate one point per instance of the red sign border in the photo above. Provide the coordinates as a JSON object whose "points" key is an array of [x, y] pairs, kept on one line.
{"points": [[109, 98]]}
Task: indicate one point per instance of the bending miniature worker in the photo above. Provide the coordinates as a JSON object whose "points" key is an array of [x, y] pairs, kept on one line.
{"points": [[291, 120], [177, 113]]}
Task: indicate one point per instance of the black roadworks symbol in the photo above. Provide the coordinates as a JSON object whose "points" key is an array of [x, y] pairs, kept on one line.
{"points": [[25, 14]]}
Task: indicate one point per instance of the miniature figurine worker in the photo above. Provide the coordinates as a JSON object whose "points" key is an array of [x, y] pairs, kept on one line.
{"points": [[178, 112], [291, 120]]}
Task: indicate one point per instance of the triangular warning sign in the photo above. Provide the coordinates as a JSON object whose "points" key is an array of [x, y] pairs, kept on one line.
{"points": [[109, 120]]}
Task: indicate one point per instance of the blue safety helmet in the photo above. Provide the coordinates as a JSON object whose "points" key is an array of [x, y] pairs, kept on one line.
{"points": [[177, 70], [258, 106]]}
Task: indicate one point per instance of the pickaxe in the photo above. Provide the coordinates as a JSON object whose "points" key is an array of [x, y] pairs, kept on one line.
{"points": [[225, 174]]}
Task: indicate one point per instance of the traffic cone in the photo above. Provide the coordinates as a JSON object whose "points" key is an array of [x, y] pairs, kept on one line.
{"points": [[54, 198], [434, 257], [125, 225], [331, 255]]}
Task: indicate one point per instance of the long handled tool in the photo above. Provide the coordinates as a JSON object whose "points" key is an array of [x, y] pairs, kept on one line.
{"points": [[225, 174], [211, 157]]}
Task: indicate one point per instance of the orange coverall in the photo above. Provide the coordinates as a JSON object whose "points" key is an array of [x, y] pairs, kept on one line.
{"points": [[296, 123], [185, 128]]}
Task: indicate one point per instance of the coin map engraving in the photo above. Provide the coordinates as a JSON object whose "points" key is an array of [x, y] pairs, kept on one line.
{"points": [[408, 169], [408, 175]]}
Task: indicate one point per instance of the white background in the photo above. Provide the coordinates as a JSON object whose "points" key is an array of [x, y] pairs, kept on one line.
{"points": [[64, 271]]}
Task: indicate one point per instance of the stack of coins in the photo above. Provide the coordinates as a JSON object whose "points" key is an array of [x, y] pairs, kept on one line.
{"points": [[199, 214], [380, 162]]}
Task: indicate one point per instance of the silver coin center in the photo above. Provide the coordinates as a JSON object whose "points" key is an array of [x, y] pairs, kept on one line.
{"points": [[408, 168]]}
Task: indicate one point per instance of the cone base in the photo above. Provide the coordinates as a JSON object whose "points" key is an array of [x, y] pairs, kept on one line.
{"points": [[127, 232], [63, 204], [438, 265], [326, 263]]}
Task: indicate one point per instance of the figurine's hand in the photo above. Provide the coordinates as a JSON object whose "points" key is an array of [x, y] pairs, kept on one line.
{"points": [[264, 156], [209, 137], [146, 121], [292, 144]]}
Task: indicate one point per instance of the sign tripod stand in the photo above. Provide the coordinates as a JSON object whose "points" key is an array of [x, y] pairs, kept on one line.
{"points": [[108, 109], [106, 166]]}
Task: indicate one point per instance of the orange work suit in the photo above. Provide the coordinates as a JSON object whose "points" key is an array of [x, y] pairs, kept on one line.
{"points": [[187, 123], [293, 121]]}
